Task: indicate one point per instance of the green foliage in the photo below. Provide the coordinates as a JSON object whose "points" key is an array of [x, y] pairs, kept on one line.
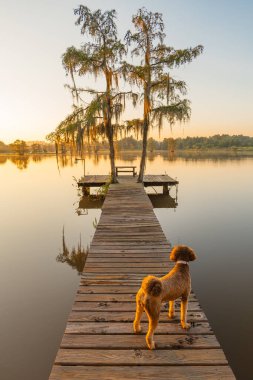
{"points": [[37, 148], [19, 147], [162, 92], [101, 55], [171, 144], [162, 95], [129, 143], [103, 190], [152, 144], [4, 148], [216, 141]]}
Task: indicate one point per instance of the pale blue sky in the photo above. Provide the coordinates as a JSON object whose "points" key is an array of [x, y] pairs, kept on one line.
{"points": [[34, 35]]}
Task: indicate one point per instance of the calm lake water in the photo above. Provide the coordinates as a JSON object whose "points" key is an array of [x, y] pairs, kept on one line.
{"points": [[40, 203]]}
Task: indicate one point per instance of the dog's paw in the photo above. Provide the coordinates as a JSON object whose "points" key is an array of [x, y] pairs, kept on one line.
{"points": [[171, 316], [185, 325], [137, 329], [150, 344]]}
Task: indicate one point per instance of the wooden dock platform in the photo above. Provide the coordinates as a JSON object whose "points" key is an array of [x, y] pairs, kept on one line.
{"points": [[99, 342], [148, 180]]}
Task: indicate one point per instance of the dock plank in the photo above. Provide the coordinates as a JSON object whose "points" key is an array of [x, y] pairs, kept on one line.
{"points": [[128, 316], [141, 373], [119, 328], [137, 341], [116, 298], [145, 357]]}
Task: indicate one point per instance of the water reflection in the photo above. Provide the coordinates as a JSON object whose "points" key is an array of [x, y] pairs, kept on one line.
{"points": [[75, 257], [163, 201], [37, 158], [208, 155], [96, 159], [99, 159], [214, 216], [88, 202], [21, 162], [65, 160], [127, 156], [3, 160], [151, 156]]}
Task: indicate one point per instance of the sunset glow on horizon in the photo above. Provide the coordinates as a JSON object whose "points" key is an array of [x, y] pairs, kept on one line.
{"points": [[35, 35]]}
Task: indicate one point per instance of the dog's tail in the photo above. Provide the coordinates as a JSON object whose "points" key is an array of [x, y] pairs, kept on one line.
{"points": [[152, 285]]}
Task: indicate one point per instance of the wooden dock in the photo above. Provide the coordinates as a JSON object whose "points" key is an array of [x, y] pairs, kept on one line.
{"points": [[99, 342], [163, 180]]}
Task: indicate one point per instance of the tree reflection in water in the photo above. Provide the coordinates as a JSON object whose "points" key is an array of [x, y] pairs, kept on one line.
{"points": [[36, 158], [20, 161], [75, 257], [3, 160]]}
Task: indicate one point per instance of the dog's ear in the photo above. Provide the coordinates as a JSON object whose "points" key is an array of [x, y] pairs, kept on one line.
{"points": [[192, 254], [175, 253]]}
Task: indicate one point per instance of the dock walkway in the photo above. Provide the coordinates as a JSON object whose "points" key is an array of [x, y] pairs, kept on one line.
{"points": [[99, 342]]}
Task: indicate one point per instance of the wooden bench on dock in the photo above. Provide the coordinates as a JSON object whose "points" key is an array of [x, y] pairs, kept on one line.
{"points": [[125, 169], [99, 342]]}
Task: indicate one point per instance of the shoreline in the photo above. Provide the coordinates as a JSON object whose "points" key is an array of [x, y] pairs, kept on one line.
{"points": [[243, 150]]}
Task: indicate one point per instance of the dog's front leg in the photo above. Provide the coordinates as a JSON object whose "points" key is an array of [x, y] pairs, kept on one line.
{"points": [[184, 306], [171, 313]]}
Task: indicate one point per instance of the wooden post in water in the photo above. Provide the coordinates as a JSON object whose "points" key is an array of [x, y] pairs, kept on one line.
{"points": [[86, 190], [165, 189]]}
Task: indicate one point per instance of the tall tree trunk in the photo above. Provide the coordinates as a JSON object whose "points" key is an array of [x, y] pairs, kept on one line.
{"points": [[109, 130], [145, 129], [144, 151], [146, 111], [108, 124]]}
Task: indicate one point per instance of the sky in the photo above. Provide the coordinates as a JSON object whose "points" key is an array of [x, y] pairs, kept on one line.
{"points": [[35, 33]]}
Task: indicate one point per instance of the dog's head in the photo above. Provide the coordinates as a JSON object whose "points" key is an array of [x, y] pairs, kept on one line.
{"points": [[182, 252]]}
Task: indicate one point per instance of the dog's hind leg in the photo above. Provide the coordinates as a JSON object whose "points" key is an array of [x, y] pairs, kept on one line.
{"points": [[153, 311], [138, 314], [171, 313], [184, 306]]}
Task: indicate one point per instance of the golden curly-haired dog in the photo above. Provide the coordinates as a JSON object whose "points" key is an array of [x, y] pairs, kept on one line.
{"points": [[154, 291]]}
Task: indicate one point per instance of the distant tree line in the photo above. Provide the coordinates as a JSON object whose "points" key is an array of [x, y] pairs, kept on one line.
{"points": [[4, 148], [213, 142], [216, 141], [21, 147]]}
